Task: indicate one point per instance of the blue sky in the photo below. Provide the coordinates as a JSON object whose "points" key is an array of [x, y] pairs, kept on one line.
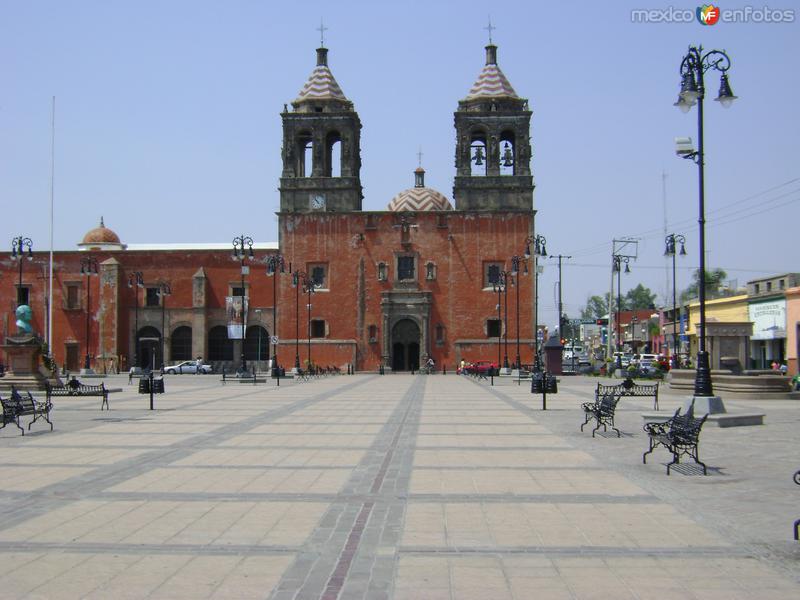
{"points": [[167, 121]]}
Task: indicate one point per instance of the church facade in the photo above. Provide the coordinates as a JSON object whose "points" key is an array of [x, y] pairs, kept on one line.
{"points": [[425, 278]]}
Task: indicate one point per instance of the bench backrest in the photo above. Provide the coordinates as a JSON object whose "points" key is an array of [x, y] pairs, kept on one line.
{"points": [[10, 406], [608, 403], [23, 404], [687, 429]]}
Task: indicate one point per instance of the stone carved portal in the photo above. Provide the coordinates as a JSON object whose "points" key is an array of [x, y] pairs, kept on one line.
{"points": [[405, 346]]}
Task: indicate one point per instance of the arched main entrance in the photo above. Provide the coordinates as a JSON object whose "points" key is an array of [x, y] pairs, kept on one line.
{"points": [[149, 347], [405, 345]]}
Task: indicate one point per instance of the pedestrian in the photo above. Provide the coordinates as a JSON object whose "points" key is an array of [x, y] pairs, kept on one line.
{"points": [[463, 367], [130, 375], [198, 366], [783, 368], [774, 365], [796, 383]]}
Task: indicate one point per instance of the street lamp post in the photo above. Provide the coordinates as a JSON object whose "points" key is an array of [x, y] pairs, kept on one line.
{"points": [[539, 249], [164, 290], [275, 264], [88, 268], [241, 255], [671, 242], [693, 67], [515, 262], [136, 279], [302, 279], [617, 261], [309, 287], [18, 245], [500, 286]]}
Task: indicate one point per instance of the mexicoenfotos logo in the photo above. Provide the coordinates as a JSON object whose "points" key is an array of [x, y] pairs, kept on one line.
{"points": [[708, 14]]}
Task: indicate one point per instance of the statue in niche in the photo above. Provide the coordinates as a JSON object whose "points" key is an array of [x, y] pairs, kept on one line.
{"points": [[24, 316]]}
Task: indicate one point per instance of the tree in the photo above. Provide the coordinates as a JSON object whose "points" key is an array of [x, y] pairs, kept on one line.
{"points": [[596, 307], [638, 298], [713, 287]]}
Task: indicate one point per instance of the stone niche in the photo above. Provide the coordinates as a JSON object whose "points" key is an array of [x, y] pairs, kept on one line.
{"points": [[726, 342]]}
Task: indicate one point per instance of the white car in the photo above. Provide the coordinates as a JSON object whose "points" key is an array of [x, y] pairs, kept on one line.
{"points": [[188, 366]]}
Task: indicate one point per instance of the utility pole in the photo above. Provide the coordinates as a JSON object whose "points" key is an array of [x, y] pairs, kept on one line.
{"points": [[561, 320]]}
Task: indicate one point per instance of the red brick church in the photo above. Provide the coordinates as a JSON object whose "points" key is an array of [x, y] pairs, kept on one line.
{"points": [[343, 285]]}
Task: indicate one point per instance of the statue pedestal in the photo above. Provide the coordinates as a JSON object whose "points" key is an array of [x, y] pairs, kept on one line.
{"points": [[23, 355]]}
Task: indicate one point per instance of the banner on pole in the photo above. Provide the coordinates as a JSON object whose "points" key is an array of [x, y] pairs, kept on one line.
{"points": [[237, 316]]}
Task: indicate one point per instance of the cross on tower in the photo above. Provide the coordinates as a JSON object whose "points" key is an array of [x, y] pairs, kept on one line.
{"points": [[322, 29], [490, 28], [419, 157]]}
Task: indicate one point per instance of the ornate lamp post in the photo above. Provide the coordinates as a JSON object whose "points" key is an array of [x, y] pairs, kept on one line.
{"points": [[164, 290], [302, 279], [241, 255], [275, 264], [88, 268], [136, 279], [617, 261], [500, 285], [18, 245], [515, 262], [539, 249], [671, 242], [693, 68]]}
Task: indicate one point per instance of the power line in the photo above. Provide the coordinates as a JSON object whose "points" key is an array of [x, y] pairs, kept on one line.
{"points": [[684, 268], [723, 219]]}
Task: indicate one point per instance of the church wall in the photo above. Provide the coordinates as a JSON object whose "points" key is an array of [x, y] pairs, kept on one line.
{"points": [[458, 244]]}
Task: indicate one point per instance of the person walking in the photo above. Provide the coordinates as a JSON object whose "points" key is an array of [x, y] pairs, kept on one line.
{"points": [[198, 366]]}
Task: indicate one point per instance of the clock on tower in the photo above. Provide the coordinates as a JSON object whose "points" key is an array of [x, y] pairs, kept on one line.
{"points": [[317, 202]]}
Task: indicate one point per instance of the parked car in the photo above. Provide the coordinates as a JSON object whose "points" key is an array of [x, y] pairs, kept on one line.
{"points": [[626, 358], [188, 366], [480, 367]]}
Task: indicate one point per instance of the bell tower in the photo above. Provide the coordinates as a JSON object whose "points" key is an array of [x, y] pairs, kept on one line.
{"points": [[493, 151], [321, 147]]}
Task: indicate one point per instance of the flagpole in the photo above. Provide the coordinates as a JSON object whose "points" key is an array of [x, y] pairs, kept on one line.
{"points": [[52, 189]]}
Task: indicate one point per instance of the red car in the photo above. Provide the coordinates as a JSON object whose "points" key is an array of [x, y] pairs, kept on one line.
{"points": [[481, 368]]}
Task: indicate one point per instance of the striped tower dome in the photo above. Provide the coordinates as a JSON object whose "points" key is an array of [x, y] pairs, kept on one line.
{"points": [[491, 82], [419, 198], [321, 85]]}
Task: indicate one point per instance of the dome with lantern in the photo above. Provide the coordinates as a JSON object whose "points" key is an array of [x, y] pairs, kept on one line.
{"points": [[419, 198], [101, 238]]}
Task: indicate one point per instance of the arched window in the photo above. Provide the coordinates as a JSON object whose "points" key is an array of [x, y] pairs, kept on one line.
{"points": [[478, 154], [256, 343], [181, 344], [219, 346], [305, 155], [333, 154], [508, 153]]}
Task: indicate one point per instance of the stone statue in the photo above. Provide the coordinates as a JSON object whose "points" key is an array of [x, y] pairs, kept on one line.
{"points": [[24, 316]]}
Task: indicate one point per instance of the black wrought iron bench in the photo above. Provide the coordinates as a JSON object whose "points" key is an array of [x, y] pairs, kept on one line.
{"points": [[680, 435], [629, 388], [602, 411], [17, 405], [797, 523], [78, 390]]}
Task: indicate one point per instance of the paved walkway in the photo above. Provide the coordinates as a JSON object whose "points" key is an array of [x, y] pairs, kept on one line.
{"points": [[404, 487]]}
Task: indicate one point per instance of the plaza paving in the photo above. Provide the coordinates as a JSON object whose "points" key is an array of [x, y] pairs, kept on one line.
{"points": [[404, 487]]}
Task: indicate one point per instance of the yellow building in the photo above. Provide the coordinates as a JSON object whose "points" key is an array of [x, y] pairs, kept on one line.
{"points": [[728, 329]]}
